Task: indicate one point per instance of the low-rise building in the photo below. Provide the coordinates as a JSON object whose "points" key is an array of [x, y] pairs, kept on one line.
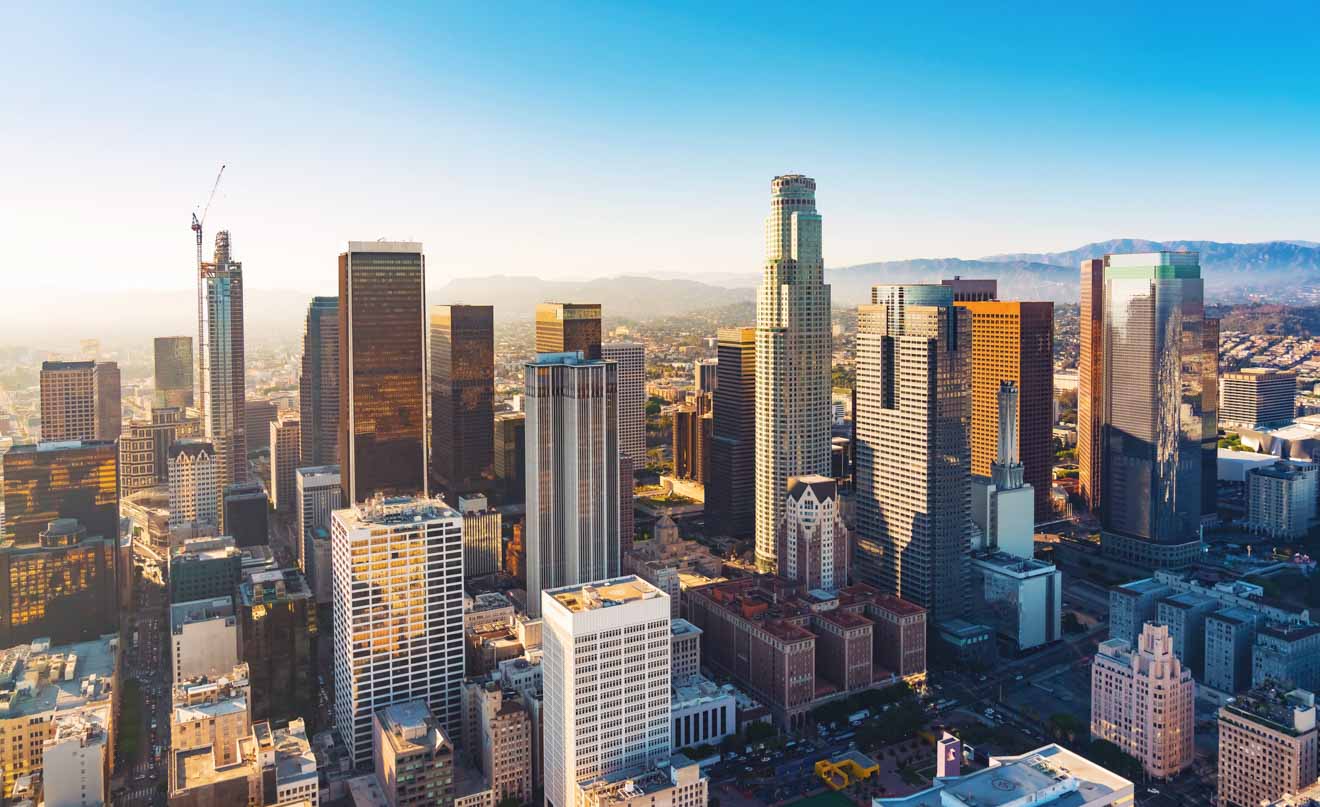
{"points": [[1267, 746], [76, 759], [1022, 598], [204, 638], [413, 756], [680, 783]]}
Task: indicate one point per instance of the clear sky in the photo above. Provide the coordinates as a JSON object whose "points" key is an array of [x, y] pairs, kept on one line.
{"points": [[572, 141]]}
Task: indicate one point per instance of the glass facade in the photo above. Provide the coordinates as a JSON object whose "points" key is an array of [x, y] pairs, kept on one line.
{"points": [[731, 491], [382, 370], [462, 399], [318, 384], [221, 361], [76, 479], [174, 371], [568, 328], [62, 587]]}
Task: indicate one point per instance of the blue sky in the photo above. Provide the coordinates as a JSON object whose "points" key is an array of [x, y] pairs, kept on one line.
{"points": [[572, 141]]}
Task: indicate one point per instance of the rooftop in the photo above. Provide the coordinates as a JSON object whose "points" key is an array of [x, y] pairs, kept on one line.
{"points": [[410, 727], [396, 510], [572, 359], [282, 585], [1012, 564], [37, 678], [196, 768], [184, 613], [681, 627], [1272, 706], [635, 782], [1284, 470], [605, 594]]}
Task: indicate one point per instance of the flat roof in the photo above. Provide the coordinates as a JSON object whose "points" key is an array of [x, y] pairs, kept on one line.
{"points": [[91, 660], [605, 594], [1050, 774], [680, 627]]}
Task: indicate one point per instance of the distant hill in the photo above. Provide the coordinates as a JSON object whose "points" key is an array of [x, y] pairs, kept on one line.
{"points": [[626, 296], [1023, 280]]}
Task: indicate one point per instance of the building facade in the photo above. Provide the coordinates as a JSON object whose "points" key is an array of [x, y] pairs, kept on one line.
{"points": [[414, 757], [72, 479], [318, 383], [1257, 398], [195, 484], [1090, 383], [793, 351], [80, 400], [510, 456], [203, 638], [319, 495], [631, 360], [693, 429], [1281, 499], [814, 544], [62, 587], [1267, 746], [277, 633], [462, 399], [731, 491], [221, 361], [246, 514], [173, 372], [285, 458], [568, 328]]}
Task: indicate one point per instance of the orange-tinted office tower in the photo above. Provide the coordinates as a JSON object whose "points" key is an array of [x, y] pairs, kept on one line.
{"points": [[1014, 341], [568, 328], [382, 370], [72, 479], [462, 400], [1090, 387]]}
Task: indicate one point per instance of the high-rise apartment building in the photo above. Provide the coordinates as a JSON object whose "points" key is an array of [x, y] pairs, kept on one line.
{"points": [[730, 493], [510, 456], [137, 458], [173, 376], [462, 399], [80, 400], [62, 587], [913, 471], [1144, 701], [382, 369], [606, 674], [277, 634], [572, 472], [568, 328], [194, 484], [1014, 341], [71, 479], [1157, 402], [1267, 746], [793, 350], [318, 383], [285, 458], [319, 495], [631, 360], [398, 612], [1257, 397], [814, 547], [1281, 499], [221, 361]]}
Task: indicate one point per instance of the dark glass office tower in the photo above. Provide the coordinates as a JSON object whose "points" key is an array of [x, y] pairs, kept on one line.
{"points": [[462, 400], [1160, 407], [246, 517], [318, 383], [731, 493], [174, 372], [568, 328], [382, 369], [75, 479], [510, 456], [61, 587], [277, 637]]}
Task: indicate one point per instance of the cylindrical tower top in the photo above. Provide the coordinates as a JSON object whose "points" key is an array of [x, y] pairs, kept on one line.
{"points": [[793, 185]]}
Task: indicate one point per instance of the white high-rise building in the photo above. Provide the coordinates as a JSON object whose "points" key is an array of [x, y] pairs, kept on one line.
{"points": [[631, 359], [813, 539], [194, 484], [793, 350], [914, 411], [572, 473], [220, 360], [606, 678], [1003, 505], [398, 613]]}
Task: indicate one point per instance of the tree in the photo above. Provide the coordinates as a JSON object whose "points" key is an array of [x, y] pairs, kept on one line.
{"points": [[760, 731]]}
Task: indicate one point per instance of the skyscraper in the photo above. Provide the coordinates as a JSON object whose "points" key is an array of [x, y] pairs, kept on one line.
{"points": [[693, 428], [1159, 394], [173, 372], [913, 415], [62, 586], [246, 516], [382, 369], [631, 358], [195, 484], [277, 634], [814, 547], [221, 362], [607, 682], [285, 458], [793, 349], [72, 479], [1014, 341], [510, 456], [80, 400], [730, 494], [137, 458], [318, 383], [398, 613], [462, 399], [1090, 383], [1257, 397], [572, 473], [319, 495], [568, 328], [109, 406]]}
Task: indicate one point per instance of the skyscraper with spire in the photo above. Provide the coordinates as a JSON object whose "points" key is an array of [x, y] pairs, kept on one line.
{"points": [[793, 347], [220, 360]]}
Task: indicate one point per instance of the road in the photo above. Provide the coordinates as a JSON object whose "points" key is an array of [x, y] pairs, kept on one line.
{"points": [[137, 782]]}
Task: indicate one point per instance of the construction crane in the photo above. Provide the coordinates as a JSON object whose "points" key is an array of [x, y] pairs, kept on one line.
{"points": [[197, 223]]}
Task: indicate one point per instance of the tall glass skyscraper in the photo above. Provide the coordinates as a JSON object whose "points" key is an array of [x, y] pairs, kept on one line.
{"points": [[173, 372], [1159, 408], [793, 347], [462, 400], [318, 383], [730, 496], [220, 357]]}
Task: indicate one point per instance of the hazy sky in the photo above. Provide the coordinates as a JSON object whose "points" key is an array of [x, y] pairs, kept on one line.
{"points": [[587, 140]]}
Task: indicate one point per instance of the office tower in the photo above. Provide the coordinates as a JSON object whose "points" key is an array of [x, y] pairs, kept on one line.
{"points": [[462, 399], [398, 612], [319, 495], [631, 359], [675, 782], [1281, 499], [1144, 701], [607, 682], [221, 363], [913, 458], [62, 587], [72, 479], [277, 633], [499, 736], [510, 456], [969, 290], [285, 458], [80, 400], [568, 328], [1014, 341], [572, 473], [1267, 745], [813, 546], [259, 414], [730, 494], [706, 375], [1002, 503], [246, 514], [194, 484], [627, 517], [1090, 383], [203, 638], [109, 408], [793, 349], [137, 458], [1257, 398], [204, 569], [1158, 427], [318, 383], [173, 377], [169, 425], [693, 427], [482, 536], [414, 757], [382, 369]]}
